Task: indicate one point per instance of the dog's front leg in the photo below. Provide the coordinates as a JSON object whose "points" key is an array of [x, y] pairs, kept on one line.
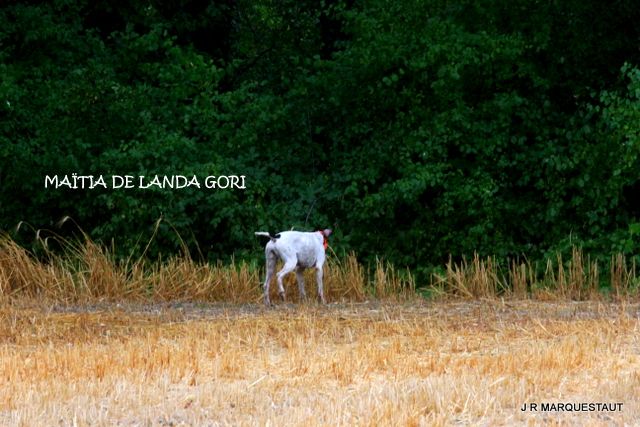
{"points": [[320, 287]]}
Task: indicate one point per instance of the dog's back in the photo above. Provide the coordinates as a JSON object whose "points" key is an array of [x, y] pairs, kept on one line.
{"points": [[303, 245]]}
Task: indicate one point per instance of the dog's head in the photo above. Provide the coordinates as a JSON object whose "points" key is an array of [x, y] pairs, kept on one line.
{"points": [[325, 233]]}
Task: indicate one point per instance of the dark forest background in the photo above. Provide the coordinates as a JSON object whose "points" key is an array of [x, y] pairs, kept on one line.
{"points": [[415, 129]]}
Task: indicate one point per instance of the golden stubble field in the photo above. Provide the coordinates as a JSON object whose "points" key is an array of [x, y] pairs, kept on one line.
{"points": [[371, 363]]}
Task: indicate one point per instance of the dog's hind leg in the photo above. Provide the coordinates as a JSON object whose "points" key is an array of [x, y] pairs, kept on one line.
{"points": [[289, 266], [300, 278], [271, 269]]}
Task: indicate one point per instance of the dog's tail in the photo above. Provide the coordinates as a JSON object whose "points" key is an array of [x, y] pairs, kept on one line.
{"points": [[267, 234]]}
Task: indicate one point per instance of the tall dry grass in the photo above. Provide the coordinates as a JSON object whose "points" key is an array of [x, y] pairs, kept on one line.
{"points": [[86, 271], [578, 278]]}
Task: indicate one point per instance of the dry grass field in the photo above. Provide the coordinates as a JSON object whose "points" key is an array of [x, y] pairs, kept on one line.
{"points": [[370, 363]]}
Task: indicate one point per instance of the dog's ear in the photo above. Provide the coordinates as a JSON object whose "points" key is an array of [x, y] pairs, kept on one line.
{"points": [[327, 232]]}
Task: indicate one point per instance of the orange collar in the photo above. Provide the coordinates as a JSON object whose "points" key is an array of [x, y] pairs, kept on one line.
{"points": [[325, 241]]}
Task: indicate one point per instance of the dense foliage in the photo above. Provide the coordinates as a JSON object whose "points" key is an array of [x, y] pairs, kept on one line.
{"points": [[416, 129]]}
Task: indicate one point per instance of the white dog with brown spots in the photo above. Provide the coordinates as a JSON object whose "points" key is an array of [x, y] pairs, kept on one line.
{"points": [[298, 250]]}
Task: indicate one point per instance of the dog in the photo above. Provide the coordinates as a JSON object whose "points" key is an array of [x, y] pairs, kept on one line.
{"points": [[298, 250]]}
